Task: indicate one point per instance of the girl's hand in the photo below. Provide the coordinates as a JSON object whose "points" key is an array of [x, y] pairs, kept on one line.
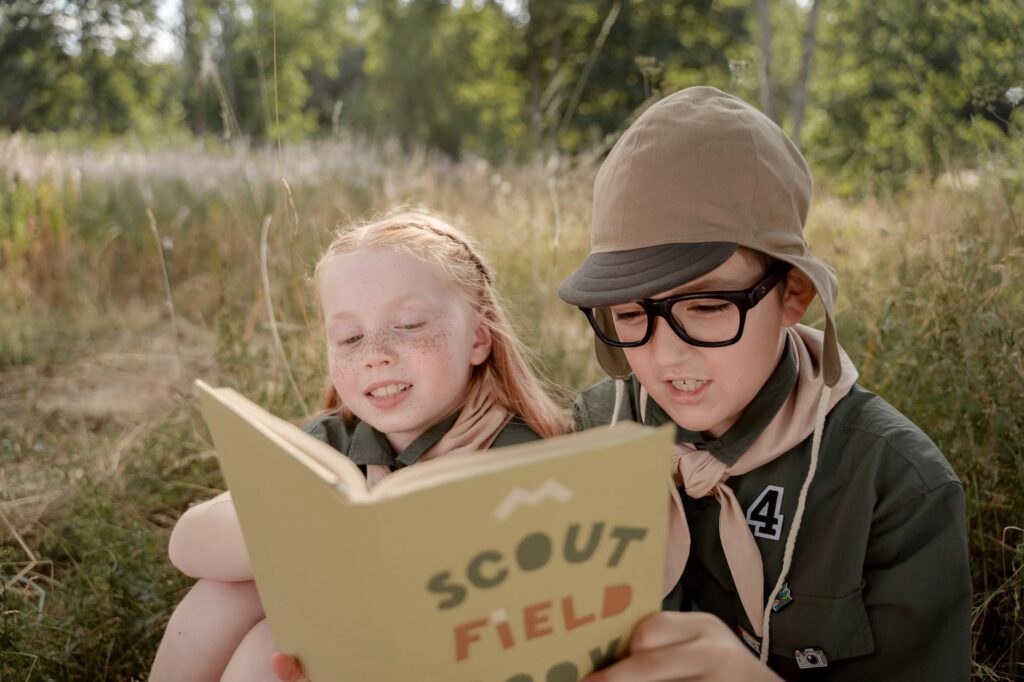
{"points": [[685, 646], [287, 668]]}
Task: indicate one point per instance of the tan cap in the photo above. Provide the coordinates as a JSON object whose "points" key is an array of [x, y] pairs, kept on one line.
{"points": [[695, 175]]}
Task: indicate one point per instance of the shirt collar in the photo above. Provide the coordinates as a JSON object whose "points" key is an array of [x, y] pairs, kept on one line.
{"points": [[370, 446], [755, 418]]}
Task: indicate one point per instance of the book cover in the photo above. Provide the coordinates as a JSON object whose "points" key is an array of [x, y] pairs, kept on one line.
{"points": [[531, 562]]}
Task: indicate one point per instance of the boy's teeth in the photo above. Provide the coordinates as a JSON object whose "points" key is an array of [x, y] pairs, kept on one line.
{"points": [[688, 385], [389, 390]]}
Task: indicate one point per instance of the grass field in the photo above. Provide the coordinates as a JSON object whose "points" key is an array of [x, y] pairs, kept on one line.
{"points": [[125, 273]]}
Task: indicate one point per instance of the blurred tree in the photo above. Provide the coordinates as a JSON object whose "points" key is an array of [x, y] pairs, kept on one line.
{"points": [[37, 72], [799, 100], [785, 40], [788, 16], [441, 75], [642, 50], [764, 25], [898, 80], [491, 76], [891, 89], [82, 64], [336, 75], [234, 52]]}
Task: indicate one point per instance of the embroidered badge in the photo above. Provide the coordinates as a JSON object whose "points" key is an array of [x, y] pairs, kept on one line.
{"points": [[765, 515], [749, 639], [783, 599], [811, 657]]}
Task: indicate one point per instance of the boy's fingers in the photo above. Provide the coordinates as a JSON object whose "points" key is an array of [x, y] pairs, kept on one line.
{"points": [[666, 628], [667, 664], [712, 654], [286, 668]]}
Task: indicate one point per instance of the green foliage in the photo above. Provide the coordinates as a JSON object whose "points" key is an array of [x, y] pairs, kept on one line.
{"points": [[458, 77], [441, 76], [41, 89], [82, 64], [897, 84], [892, 90], [943, 342]]}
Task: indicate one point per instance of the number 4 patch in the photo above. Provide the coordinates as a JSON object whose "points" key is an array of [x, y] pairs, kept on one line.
{"points": [[765, 515]]}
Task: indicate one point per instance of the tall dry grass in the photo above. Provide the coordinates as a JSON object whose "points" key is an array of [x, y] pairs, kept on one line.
{"points": [[101, 447]]}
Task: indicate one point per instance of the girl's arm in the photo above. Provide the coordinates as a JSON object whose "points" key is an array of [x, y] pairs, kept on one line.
{"points": [[207, 542]]}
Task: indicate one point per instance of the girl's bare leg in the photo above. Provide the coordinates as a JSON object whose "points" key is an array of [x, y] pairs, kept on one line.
{"points": [[205, 630], [251, 662]]}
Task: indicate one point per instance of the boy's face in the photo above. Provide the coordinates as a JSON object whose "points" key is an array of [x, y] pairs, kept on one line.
{"points": [[707, 389]]}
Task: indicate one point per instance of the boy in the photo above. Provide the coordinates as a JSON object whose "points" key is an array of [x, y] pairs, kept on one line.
{"points": [[813, 520]]}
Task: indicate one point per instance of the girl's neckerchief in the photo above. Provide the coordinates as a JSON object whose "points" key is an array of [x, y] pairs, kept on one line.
{"points": [[480, 421], [701, 474]]}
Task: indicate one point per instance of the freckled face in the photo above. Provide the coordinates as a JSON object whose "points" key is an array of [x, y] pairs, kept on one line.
{"points": [[401, 343]]}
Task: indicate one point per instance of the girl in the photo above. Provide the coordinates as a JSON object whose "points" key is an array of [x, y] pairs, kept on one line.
{"points": [[422, 363]]}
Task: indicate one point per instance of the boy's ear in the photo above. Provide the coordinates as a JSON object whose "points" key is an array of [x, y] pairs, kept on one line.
{"points": [[797, 297], [482, 342]]}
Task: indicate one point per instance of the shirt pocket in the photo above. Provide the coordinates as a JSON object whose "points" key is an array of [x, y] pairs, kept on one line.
{"points": [[838, 626]]}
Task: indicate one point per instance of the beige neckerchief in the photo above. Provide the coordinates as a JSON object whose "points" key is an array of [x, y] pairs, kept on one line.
{"points": [[478, 424], [701, 474]]}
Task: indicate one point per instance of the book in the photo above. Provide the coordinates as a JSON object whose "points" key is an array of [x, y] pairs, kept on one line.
{"points": [[525, 563]]}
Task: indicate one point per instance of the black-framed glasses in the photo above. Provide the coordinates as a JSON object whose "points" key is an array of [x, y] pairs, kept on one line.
{"points": [[705, 318]]}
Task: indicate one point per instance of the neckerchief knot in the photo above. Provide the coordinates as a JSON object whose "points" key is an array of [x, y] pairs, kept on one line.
{"points": [[700, 474]]}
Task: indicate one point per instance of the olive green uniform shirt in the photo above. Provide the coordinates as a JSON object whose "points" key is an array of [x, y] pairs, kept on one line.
{"points": [[879, 577], [364, 445]]}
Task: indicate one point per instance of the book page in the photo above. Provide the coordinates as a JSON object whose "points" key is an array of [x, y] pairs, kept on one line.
{"points": [[469, 464], [320, 457], [535, 568]]}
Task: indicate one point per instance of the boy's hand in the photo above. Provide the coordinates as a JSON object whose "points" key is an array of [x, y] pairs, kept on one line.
{"points": [[685, 646], [287, 668]]}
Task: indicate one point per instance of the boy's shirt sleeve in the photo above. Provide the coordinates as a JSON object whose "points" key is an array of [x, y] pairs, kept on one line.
{"points": [[917, 588], [917, 585]]}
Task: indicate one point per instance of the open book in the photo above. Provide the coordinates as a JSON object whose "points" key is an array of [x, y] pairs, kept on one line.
{"points": [[531, 562]]}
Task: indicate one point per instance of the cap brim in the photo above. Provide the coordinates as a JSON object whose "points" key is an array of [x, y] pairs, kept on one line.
{"points": [[614, 277]]}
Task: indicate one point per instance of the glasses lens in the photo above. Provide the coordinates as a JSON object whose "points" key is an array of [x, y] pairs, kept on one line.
{"points": [[712, 320], [625, 323]]}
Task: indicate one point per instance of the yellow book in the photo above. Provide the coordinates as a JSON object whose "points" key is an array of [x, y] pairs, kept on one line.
{"points": [[527, 563]]}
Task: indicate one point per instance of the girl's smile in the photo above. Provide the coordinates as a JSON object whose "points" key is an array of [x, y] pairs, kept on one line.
{"points": [[387, 394]]}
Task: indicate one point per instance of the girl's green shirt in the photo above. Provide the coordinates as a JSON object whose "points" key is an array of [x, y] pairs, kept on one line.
{"points": [[364, 445]]}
